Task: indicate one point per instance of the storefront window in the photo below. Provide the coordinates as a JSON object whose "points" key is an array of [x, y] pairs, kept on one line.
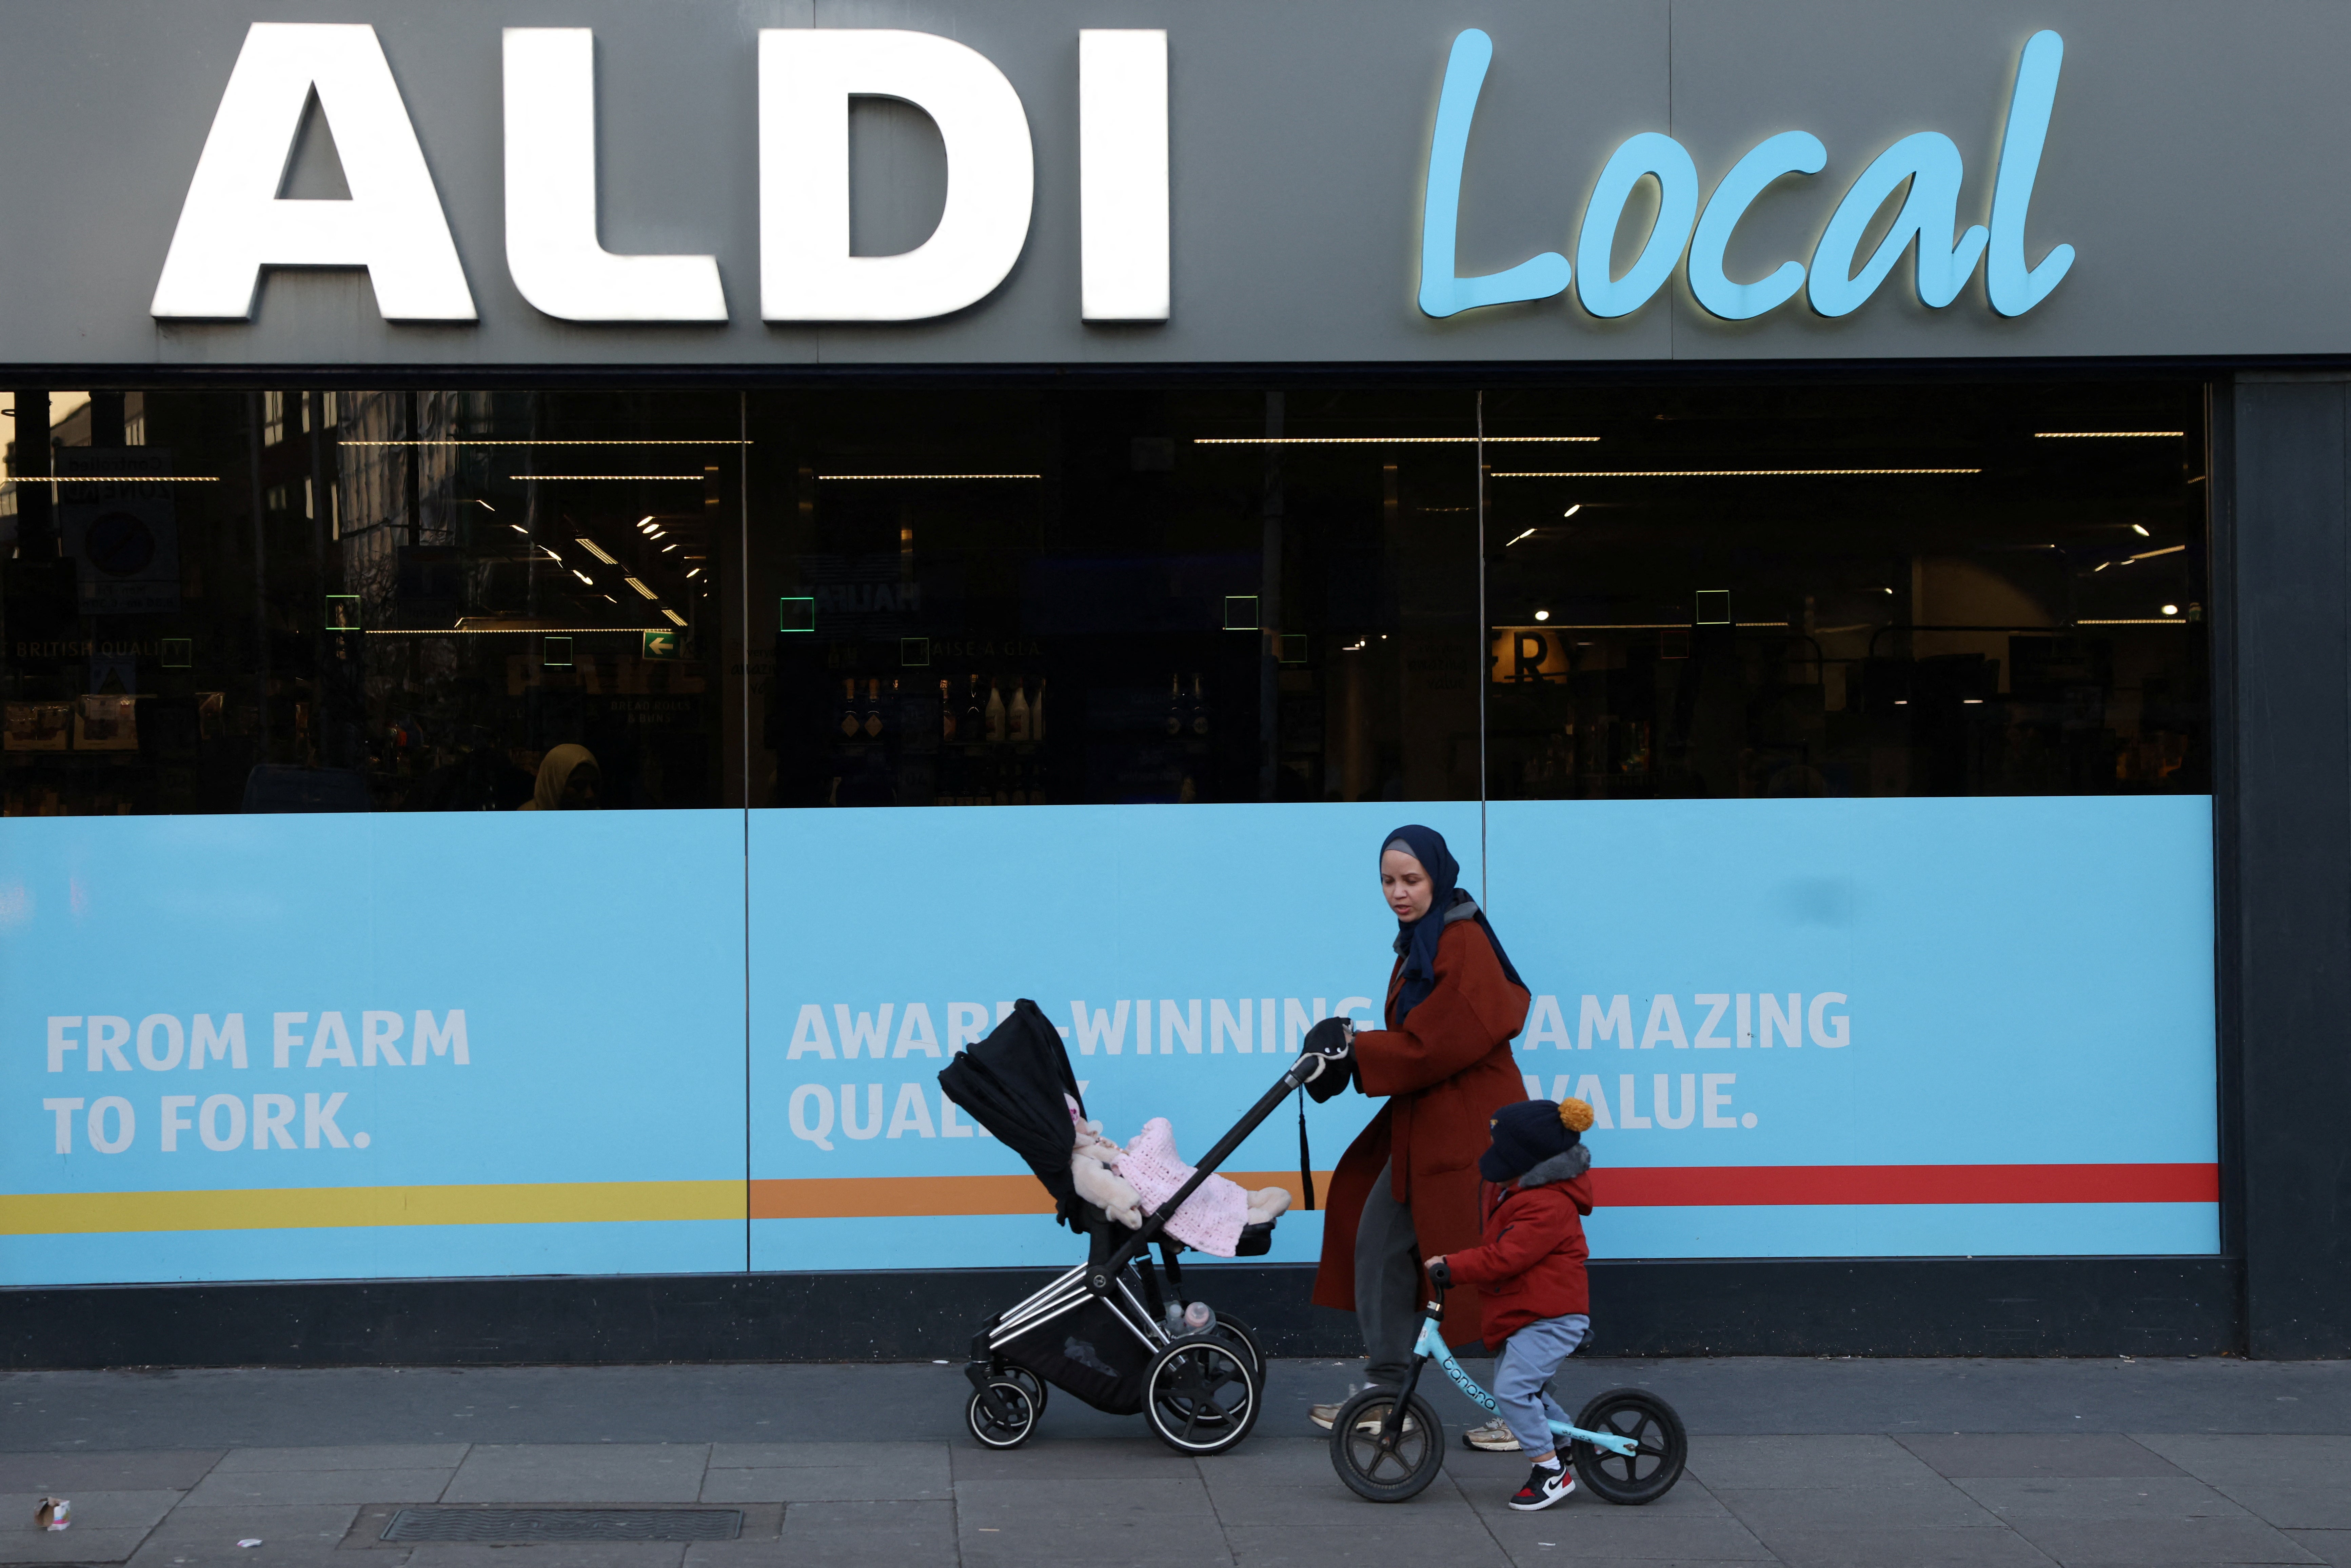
{"points": [[1027, 597], [322, 599], [337, 599], [1855, 590]]}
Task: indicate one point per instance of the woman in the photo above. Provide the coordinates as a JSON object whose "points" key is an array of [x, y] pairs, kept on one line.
{"points": [[1407, 1188]]}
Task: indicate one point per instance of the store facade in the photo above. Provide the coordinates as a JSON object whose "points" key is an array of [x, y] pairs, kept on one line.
{"points": [[1837, 515]]}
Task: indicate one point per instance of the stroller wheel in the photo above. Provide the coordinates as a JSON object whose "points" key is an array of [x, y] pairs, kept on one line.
{"points": [[1201, 1396], [1037, 1391], [1017, 1421], [1369, 1464], [1232, 1328]]}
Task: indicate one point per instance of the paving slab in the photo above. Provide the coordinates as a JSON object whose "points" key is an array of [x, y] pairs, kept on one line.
{"points": [[2160, 1542], [2100, 1497], [91, 1510], [2024, 1454], [824, 1456], [1935, 1501], [1930, 1546], [2302, 1482], [1687, 1524], [2133, 1520], [603, 1473], [1167, 1521], [135, 1470], [2329, 1546], [345, 1457], [848, 1534], [1277, 1546], [288, 1533], [1808, 1462], [23, 1543], [294, 1486], [832, 1483], [564, 1554], [1134, 1457]]}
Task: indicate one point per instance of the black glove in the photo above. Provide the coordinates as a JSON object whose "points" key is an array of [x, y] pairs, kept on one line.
{"points": [[1440, 1274], [1333, 1040]]}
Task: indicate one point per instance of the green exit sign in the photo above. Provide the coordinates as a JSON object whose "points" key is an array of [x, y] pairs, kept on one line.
{"points": [[662, 646]]}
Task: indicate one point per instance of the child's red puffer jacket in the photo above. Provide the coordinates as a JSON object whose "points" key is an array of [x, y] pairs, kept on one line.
{"points": [[1530, 1263]]}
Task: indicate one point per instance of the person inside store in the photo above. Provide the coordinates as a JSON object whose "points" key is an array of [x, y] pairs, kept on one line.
{"points": [[569, 780], [1407, 1187]]}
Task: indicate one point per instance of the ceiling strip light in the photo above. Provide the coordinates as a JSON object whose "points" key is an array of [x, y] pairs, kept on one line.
{"points": [[673, 614], [2137, 621], [1383, 440], [1631, 625], [503, 631], [640, 588], [593, 547], [1731, 473], [729, 441], [2108, 434], [2151, 554], [112, 479], [854, 477]]}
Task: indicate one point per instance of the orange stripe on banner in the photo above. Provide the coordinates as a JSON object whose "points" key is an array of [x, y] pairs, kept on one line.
{"points": [[894, 1198], [1682, 1186]]}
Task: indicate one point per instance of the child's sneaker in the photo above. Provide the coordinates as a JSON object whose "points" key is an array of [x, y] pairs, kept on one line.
{"points": [[1544, 1486]]}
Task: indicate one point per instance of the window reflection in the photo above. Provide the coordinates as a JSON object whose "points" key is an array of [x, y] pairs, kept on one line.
{"points": [[1040, 598], [415, 600], [324, 600], [1862, 590]]}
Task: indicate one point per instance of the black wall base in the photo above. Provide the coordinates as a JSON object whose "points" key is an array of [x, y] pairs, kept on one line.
{"points": [[1994, 1306]]}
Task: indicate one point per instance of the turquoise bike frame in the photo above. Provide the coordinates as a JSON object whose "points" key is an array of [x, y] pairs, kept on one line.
{"points": [[1431, 1347]]}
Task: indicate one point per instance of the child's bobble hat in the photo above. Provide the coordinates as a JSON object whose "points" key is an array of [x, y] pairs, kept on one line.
{"points": [[1531, 1132]]}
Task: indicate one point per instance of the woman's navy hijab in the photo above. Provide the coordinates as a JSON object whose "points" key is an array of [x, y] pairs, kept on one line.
{"points": [[1416, 939]]}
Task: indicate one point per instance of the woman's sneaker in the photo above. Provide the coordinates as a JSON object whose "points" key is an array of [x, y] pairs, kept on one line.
{"points": [[1493, 1437], [1543, 1488], [1327, 1416]]}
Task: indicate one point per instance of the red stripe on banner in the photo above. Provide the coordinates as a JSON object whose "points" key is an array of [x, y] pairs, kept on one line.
{"points": [[1682, 1186]]}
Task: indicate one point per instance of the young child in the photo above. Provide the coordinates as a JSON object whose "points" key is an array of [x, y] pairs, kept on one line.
{"points": [[1529, 1270]]}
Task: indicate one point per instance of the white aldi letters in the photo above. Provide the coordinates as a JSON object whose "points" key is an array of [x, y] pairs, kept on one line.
{"points": [[552, 251], [234, 222], [807, 76]]}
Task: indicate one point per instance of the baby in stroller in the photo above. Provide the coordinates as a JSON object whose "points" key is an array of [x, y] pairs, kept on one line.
{"points": [[1127, 1183]]}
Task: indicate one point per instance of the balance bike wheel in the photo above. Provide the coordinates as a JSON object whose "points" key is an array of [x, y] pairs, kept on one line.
{"points": [[998, 1432], [1372, 1468], [1201, 1394], [1641, 1476]]}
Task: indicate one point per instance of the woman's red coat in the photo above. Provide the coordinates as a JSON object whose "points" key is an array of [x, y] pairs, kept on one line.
{"points": [[1444, 1073]]}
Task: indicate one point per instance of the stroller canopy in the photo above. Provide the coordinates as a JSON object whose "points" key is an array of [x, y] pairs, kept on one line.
{"points": [[1012, 1083]]}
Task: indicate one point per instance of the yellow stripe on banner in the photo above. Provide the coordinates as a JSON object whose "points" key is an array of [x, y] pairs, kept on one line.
{"points": [[324, 1207]]}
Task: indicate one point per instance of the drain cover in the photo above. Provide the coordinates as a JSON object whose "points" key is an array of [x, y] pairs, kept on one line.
{"points": [[522, 1525]]}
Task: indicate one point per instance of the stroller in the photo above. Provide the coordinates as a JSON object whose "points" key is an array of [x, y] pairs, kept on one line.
{"points": [[1105, 1331]]}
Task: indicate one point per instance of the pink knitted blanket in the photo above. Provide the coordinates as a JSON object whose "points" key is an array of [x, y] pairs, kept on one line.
{"points": [[1211, 1218]]}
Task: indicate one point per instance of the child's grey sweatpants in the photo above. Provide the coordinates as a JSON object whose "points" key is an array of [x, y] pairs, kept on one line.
{"points": [[1528, 1359]]}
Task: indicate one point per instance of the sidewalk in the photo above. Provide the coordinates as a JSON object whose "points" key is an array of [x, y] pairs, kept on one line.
{"points": [[1883, 1464]]}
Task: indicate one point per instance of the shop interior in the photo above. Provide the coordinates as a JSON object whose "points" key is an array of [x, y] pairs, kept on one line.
{"points": [[950, 596]]}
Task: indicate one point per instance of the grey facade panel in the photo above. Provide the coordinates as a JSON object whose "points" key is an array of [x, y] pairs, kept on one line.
{"points": [[2192, 161], [2291, 810]]}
